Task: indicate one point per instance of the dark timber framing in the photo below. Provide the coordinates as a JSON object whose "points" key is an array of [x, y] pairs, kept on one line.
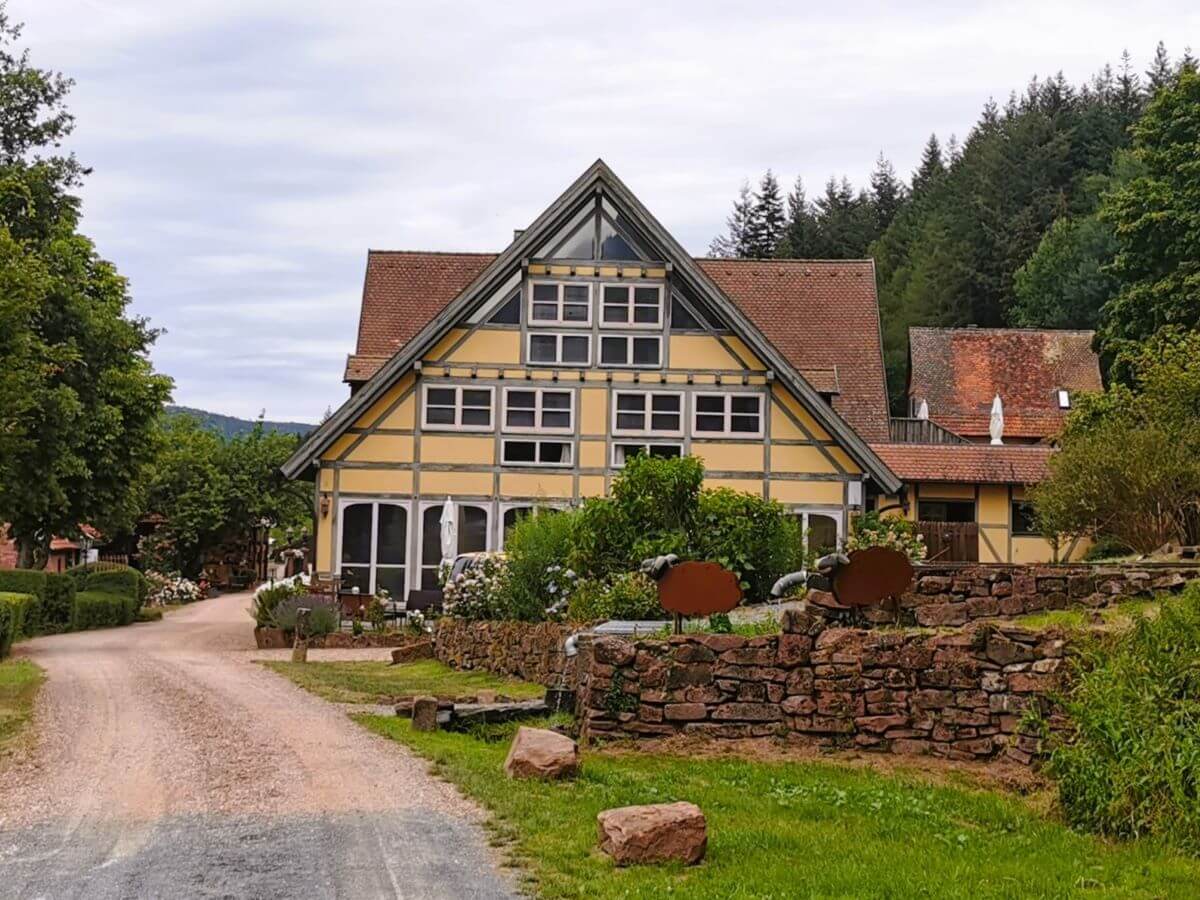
{"points": [[594, 184]]}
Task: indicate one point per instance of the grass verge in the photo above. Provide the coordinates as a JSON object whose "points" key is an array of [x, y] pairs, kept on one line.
{"points": [[1121, 614], [19, 683], [788, 829], [378, 682]]}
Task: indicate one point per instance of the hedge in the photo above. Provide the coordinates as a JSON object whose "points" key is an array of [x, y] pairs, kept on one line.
{"points": [[111, 578], [54, 595], [31, 583], [13, 610], [99, 609]]}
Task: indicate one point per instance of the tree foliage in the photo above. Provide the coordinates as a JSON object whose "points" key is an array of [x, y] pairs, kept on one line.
{"points": [[1156, 221], [1148, 493], [79, 399], [209, 489]]}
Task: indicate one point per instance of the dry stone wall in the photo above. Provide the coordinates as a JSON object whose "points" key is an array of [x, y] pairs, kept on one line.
{"points": [[953, 595], [959, 695], [530, 651]]}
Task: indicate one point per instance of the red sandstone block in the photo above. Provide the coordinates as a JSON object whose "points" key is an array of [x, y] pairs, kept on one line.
{"points": [[1030, 683], [933, 699], [685, 712], [793, 650], [880, 724], [799, 706], [910, 746], [754, 712]]}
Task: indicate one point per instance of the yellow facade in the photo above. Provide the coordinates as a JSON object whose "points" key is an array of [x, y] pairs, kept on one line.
{"points": [[391, 456]]}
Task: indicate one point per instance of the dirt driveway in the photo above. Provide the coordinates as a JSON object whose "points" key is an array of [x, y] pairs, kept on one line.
{"points": [[169, 764]]}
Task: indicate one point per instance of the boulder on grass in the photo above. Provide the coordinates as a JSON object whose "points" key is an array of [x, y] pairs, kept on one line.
{"points": [[425, 714], [660, 832], [538, 753], [412, 652]]}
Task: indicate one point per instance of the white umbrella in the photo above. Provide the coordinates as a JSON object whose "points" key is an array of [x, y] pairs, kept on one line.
{"points": [[449, 531], [923, 410], [997, 424]]}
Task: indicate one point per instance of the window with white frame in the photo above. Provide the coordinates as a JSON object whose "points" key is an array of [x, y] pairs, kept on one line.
{"points": [[623, 451], [539, 409], [559, 349], [373, 548], [531, 452], [630, 350], [632, 305], [729, 415], [647, 412], [458, 408], [560, 303]]}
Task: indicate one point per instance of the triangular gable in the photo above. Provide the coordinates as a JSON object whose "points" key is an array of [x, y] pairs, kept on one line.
{"points": [[624, 215]]}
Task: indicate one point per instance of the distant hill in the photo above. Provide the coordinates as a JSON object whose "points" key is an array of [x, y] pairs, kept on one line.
{"points": [[231, 425]]}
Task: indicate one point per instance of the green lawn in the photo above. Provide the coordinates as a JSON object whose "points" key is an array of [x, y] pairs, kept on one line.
{"points": [[792, 829], [1121, 613], [19, 683], [378, 682]]}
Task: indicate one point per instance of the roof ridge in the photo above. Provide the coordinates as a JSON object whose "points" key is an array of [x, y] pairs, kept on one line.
{"points": [[994, 329], [784, 260], [373, 251]]}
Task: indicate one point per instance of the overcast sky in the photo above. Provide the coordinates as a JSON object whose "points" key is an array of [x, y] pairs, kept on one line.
{"points": [[247, 153]]}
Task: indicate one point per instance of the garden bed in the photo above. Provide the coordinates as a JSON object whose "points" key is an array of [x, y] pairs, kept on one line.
{"points": [[278, 639]]}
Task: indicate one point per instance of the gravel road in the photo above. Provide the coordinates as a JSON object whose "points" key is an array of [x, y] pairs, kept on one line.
{"points": [[168, 764]]}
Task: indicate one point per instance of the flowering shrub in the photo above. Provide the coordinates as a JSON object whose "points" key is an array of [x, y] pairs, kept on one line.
{"points": [[172, 589], [475, 593], [873, 530], [630, 595]]}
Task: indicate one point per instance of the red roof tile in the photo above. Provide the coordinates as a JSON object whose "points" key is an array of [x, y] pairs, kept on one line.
{"points": [[984, 463], [820, 314], [959, 371], [402, 291]]}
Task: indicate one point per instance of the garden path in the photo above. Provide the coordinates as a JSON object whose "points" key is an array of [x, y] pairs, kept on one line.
{"points": [[168, 763]]}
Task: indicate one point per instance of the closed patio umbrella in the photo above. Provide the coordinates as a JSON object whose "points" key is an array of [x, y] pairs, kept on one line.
{"points": [[449, 524]]}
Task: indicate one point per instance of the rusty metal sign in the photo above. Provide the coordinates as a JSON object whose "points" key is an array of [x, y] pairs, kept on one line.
{"points": [[872, 575], [699, 589]]}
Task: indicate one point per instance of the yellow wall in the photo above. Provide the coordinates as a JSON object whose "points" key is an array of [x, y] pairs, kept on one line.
{"points": [[519, 484], [699, 351], [593, 411], [456, 449], [488, 346], [456, 484], [815, 493], [798, 412], [375, 481], [730, 457], [808, 458], [383, 448]]}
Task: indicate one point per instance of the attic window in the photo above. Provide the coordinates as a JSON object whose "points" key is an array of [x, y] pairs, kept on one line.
{"points": [[1064, 399], [509, 313]]}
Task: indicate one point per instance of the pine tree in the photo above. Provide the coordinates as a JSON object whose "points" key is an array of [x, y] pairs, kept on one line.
{"points": [[738, 224], [766, 225], [800, 233], [1187, 63], [1129, 89], [1160, 73], [887, 195], [931, 169]]}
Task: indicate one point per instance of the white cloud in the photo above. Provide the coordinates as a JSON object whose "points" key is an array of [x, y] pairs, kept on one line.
{"points": [[248, 152]]}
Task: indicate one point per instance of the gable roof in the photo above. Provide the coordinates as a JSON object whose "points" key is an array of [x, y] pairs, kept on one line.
{"points": [[598, 180], [958, 372]]}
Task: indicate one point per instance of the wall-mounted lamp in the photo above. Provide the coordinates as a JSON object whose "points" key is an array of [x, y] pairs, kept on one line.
{"points": [[324, 506]]}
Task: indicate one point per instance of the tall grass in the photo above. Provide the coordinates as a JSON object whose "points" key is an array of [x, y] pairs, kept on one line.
{"points": [[1130, 765]]}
